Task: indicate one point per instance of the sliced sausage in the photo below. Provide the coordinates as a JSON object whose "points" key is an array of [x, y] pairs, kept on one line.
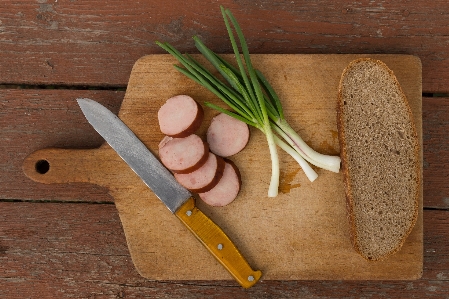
{"points": [[227, 188], [204, 178], [183, 155], [226, 135], [164, 141], [180, 116]]}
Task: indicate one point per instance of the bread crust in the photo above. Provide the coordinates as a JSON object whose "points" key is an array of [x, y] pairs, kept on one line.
{"points": [[345, 169]]}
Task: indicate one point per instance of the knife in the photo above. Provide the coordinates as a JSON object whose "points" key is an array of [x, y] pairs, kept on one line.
{"points": [[177, 199]]}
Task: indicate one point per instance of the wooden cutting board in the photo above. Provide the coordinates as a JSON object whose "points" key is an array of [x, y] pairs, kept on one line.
{"points": [[301, 234]]}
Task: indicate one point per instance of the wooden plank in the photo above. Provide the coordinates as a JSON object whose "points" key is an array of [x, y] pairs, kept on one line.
{"points": [[97, 42], [54, 250], [36, 119], [318, 209], [436, 151]]}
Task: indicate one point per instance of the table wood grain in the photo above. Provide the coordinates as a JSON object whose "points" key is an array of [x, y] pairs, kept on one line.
{"points": [[66, 241]]}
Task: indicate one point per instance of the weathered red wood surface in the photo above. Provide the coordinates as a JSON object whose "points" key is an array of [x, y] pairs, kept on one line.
{"points": [[53, 250], [97, 42], [36, 119], [67, 241]]}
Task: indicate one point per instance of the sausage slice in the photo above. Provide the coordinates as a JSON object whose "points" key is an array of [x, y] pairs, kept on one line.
{"points": [[227, 188], [183, 155], [180, 116], [226, 135], [204, 178]]}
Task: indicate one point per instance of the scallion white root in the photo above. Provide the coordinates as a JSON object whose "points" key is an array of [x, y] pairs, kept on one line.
{"points": [[308, 171]]}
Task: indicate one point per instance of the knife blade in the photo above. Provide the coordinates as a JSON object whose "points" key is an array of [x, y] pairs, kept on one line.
{"points": [[177, 199]]}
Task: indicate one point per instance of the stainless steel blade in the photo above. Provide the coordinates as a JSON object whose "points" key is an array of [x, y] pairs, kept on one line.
{"points": [[135, 154]]}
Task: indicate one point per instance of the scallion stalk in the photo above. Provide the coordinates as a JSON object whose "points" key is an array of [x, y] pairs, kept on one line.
{"points": [[252, 100]]}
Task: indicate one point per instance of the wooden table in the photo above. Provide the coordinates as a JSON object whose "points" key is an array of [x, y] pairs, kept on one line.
{"points": [[66, 241]]}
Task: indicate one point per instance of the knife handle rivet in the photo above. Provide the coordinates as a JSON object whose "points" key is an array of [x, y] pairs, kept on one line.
{"points": [[250, 278], [189, 213], [220, 246]]}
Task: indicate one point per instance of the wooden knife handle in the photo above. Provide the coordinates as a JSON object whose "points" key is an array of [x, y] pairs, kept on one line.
{"points": [[218, 243]]}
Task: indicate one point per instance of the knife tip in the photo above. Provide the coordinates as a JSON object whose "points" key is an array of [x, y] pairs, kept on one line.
{"points": [[83, 102]]}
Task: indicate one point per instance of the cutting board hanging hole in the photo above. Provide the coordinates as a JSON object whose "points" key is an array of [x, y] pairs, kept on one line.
{"points": [[42, 166]]}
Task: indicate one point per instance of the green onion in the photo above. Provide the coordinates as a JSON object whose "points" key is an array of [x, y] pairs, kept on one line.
{"points": [[252, 100]]}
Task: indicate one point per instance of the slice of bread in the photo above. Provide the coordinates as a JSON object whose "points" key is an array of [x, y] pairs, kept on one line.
{"points": [[380, 158]]}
